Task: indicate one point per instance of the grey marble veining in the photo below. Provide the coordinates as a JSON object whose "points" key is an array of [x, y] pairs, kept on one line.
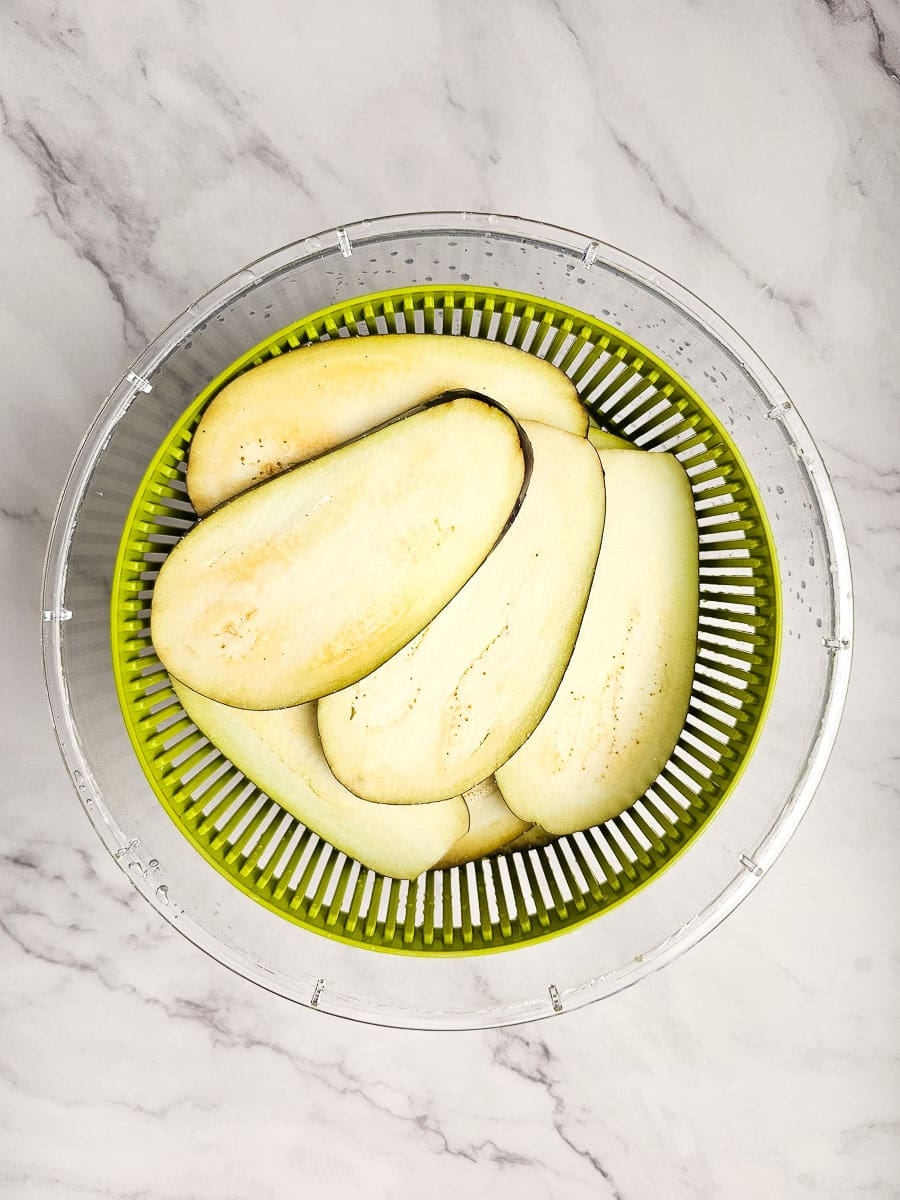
{"points": [[750, 151]]}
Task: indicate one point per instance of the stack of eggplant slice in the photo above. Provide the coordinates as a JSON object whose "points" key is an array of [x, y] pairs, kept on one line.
{"points": [[430, 608]]}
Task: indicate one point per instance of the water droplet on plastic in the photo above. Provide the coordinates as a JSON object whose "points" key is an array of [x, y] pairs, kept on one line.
{"points": [[162, 894]]}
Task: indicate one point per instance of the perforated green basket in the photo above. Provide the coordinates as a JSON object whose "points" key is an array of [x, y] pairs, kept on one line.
{"points": [[506, 900]]}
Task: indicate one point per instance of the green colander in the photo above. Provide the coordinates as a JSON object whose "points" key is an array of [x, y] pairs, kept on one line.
{"points": [[506, 900]]}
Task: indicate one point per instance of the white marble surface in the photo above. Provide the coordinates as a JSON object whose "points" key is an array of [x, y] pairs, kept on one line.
{"points": [[752, 152]]}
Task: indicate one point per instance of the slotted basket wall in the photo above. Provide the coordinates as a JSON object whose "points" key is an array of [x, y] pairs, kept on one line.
{"points": [[644, 352], [505, 900]]}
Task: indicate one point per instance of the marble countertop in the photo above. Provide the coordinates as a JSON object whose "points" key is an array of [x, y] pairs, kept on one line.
{"points": [[750, 151]]}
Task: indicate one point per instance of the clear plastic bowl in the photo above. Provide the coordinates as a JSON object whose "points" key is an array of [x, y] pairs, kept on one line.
{"points": [[725, 861]]}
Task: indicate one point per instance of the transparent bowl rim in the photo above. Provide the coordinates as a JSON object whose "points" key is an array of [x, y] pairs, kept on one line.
{"points": [[591, 250]]}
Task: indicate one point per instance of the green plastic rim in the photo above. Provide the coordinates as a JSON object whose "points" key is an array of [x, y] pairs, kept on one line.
{"points": [[506, 900]]}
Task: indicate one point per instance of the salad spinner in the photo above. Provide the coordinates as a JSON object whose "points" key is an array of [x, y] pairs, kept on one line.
{"points": [[514, 936]]}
